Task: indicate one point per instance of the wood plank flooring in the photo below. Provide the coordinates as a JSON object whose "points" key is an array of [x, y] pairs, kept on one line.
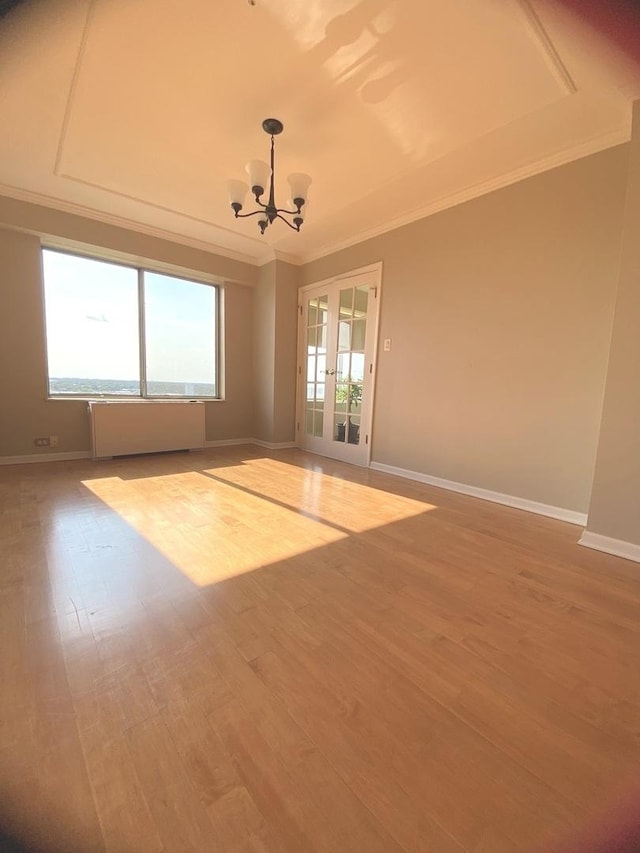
{"points": [[245, 651]]}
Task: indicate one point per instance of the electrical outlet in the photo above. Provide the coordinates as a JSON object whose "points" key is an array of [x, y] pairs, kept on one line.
{"points": [[42, 442], [53, 441], [387, 344]]}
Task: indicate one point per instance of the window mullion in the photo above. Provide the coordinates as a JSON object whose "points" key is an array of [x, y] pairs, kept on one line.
{"points": [[141, 323]]}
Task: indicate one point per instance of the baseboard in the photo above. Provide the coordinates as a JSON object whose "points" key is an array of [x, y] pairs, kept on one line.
{"points": [[569, 515], [86, 454], [45, 457], [228, 442], [271, 445], [617, 547]]}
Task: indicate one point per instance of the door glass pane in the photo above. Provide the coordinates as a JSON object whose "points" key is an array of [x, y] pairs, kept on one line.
{"points": [[346, 303], [317, 318], [312, 337], [361, 301], [344, 335], [358, 334], [350, 365], [355, 397], [342, 393], [323, 306], [353, 433], [342, 367], [357, 367]]}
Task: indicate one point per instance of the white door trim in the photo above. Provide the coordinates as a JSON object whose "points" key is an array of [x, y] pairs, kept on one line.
{"points": [[375, 270]]}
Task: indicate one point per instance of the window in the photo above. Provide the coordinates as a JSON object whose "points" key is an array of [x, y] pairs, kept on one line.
{"points": [[115, 330]]}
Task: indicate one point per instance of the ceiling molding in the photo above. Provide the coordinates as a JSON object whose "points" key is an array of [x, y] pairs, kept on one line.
{"points": [[544, 42], [72, 87], [161, 207], [561, 158], [567, 155], [130, 225], [287, 257], [267, 260], [277, 255]]}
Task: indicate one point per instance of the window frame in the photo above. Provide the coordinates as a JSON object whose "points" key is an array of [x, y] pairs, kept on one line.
{"points": [[141, 269]]}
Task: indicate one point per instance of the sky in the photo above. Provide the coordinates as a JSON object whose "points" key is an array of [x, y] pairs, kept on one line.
{"points": [[92, 322]]}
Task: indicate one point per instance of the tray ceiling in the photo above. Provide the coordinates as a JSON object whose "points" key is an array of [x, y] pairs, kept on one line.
{"points": [[137, 112]]}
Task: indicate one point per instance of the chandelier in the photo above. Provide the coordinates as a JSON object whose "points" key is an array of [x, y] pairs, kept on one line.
{"points": [[262, 174]]}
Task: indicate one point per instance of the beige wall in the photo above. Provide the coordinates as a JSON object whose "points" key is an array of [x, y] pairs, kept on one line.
{"points": [[233, 416], [26, 413], [500, 314], [275, 336], [615, 502], [286, 345], [264, 320]]}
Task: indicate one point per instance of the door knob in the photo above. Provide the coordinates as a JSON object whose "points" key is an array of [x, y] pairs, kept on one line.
{"points": [[330, 372]]}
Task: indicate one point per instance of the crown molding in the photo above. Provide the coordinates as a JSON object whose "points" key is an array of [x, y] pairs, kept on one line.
{"points": [[542, 38], [76, 209], [267, 254], [545, 164], [287, 258], [277, 255], [74, 83]]}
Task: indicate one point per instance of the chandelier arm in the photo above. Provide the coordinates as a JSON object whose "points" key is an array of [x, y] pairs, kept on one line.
{"points": [[286, 222], [289, 212], [245, 215]]}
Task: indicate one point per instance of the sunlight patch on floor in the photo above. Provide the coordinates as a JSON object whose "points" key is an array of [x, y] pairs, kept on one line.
{"points": [[223, 522], [209, 531], [352, 507]]}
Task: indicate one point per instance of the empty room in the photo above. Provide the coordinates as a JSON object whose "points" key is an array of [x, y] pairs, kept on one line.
{"points": [[319, 445]]}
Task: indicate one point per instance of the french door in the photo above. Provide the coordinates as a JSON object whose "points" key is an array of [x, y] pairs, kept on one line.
{"points": [[337, 338]]}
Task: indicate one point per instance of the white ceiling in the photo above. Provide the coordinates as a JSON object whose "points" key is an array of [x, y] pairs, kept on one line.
{"points": [[136, 112]]}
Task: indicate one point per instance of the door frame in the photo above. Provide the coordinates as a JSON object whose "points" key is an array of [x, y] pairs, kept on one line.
{"points": [[375, 270]]}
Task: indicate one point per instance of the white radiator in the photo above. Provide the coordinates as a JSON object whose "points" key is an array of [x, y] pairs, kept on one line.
{"points": [[121, 428]]}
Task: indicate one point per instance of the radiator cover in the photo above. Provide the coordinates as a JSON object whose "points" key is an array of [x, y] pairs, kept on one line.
{"points": [[122, 428]]}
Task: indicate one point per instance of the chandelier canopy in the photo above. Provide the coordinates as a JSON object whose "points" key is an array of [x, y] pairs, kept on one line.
{"points": [[262, 174]]}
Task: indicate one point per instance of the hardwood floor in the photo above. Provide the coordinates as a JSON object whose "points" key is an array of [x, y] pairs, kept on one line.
{"points": [[250, 651]]}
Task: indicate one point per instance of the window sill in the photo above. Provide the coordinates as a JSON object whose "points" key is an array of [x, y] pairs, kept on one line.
{"points": [[124, 399]]}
